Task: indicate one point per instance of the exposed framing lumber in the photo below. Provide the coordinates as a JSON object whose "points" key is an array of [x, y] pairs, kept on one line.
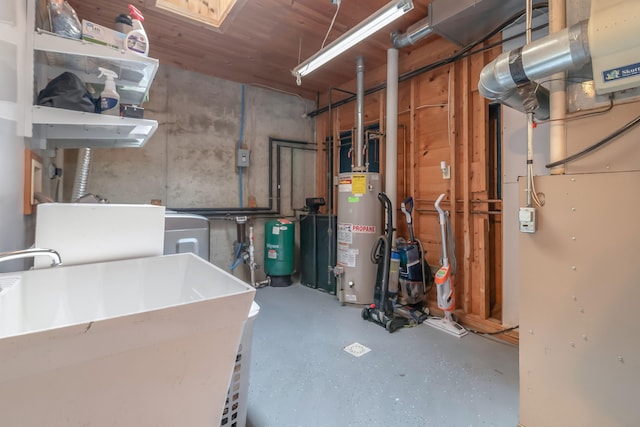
{"points": [[466, 183], [464, 144]]}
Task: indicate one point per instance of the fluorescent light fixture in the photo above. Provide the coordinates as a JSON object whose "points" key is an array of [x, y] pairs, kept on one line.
{"points": [[384, 16]]}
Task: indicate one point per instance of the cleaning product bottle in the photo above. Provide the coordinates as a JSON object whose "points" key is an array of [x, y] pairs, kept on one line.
{"points": [[109, 98], [123, 23], [136, 40]]}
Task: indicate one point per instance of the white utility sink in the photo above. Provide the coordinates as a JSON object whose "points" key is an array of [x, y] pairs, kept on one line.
{"points": [[139, 342]]}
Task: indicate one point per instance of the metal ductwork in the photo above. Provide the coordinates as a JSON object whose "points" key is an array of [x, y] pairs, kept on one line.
{"points": [[461, 21], [508, 78], [608, 39], [417, 31]]}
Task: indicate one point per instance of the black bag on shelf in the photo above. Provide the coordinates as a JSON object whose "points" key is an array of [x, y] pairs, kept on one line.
{"points": [[69, 92]]}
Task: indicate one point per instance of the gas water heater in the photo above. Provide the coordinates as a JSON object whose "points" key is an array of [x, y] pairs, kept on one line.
{"points": [[359, 217]]}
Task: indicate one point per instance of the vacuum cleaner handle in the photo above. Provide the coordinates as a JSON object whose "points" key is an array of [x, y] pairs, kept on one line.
{"points": [[439, 209], [407, 207], [386, 203]]}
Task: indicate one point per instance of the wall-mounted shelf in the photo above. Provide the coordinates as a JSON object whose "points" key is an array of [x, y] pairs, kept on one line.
{"points": [[76, 129], [60, 128], [55, 55]]}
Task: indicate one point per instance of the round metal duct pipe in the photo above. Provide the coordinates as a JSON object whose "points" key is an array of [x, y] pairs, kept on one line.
{"points": [[415, 32], [565, 50]]}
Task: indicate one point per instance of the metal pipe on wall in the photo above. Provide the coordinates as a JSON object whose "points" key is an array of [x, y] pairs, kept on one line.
{"points": [[357, 147], [391, 132], [267, 211]]}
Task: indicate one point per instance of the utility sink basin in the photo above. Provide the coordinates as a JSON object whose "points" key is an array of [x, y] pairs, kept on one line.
{"points": [[139, 342]]}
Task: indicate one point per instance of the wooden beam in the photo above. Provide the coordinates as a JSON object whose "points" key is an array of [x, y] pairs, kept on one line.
{"points": [[453, 142], [412, 139], [466, 184]]}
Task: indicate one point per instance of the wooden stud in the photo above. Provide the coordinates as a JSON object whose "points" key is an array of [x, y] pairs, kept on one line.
{"points": [[466, 185]]}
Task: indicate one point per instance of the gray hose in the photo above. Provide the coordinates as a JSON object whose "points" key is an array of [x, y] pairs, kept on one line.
{"points": [[82, 174]]}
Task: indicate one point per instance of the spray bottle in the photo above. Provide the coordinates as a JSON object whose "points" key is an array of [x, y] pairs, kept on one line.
{"points": [[137, 40], [109, 98]]}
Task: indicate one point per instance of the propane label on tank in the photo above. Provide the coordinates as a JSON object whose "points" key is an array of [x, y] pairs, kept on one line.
{"points": [[358, 228], [272, 254], [344, 233], [275, 230]]}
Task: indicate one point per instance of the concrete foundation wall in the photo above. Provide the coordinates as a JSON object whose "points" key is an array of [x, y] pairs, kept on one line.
{"points": [[190, 162]]}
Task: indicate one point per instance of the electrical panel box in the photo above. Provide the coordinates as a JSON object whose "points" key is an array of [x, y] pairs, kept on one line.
{"points": [[527, 220], [243, 158]]}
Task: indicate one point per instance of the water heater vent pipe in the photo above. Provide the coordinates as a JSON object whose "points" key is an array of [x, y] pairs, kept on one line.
{"points": [[359, 140]]}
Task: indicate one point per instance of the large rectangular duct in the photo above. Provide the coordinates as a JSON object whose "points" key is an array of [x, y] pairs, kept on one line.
{"points": [[465, 21]]}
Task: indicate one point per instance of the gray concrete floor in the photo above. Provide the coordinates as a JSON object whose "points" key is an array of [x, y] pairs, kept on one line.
{"points": [[301, 376]]}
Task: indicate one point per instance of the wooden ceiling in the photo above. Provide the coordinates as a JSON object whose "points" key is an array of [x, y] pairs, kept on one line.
{"points": [[262, 41]]}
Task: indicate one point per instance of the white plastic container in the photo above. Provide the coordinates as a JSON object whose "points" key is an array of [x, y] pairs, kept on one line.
{"points": [[140, 342], [137, 40], [235, 408], [109, 98]]}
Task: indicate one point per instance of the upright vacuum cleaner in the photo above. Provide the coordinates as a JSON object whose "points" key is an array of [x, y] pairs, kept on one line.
{"points": [[382, 310], [446, 301], [415, 273]]}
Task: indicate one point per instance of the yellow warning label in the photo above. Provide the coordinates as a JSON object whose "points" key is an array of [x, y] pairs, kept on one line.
{"points": [[358, 184]]}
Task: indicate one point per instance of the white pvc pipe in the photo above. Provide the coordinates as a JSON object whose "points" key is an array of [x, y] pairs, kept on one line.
{"points": [[558, 94], [391, 131]]}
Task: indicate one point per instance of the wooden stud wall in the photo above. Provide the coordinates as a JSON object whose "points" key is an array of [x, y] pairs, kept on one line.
{"points": [[441, 117]]}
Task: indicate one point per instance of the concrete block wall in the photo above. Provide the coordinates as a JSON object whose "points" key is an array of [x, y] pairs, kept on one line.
{"points": [[190, 162]]}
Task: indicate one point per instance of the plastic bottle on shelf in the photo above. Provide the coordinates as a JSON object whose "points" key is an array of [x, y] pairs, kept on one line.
{"points": [[123, 23], [109, 98], [136, 40]]}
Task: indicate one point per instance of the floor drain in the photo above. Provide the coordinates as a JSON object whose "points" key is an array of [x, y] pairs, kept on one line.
{"points": [[357, 349]]}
